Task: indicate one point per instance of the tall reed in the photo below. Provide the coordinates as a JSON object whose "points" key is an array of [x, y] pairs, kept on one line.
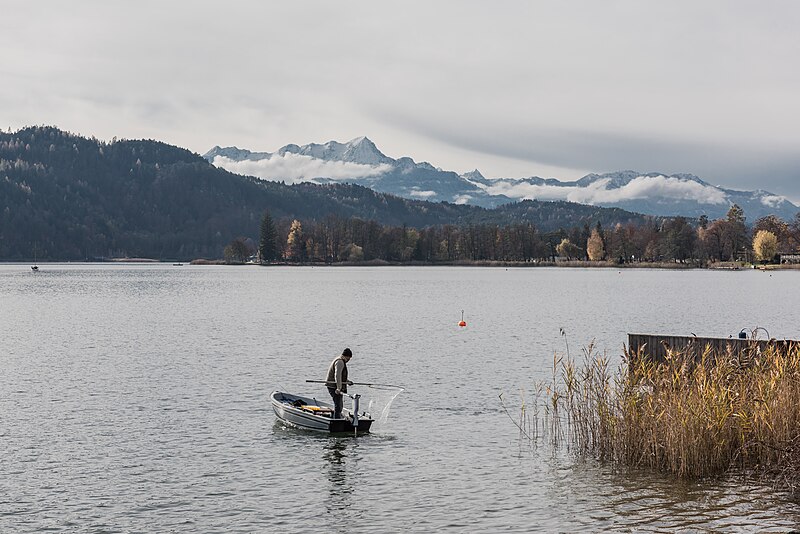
{"points": [[689, 415]]}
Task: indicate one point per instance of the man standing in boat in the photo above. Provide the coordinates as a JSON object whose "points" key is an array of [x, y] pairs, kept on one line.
{"points": [[337, 381]]}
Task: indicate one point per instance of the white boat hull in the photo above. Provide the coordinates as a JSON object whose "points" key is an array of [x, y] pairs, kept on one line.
{"points": [[310, 414]]}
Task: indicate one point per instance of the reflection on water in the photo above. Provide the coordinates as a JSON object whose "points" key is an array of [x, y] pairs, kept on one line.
{"points": [[340, 492], [588, 495]]}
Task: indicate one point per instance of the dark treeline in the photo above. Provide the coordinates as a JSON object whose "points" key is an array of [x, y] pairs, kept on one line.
{"points": [[68, 197], [336, 239]]}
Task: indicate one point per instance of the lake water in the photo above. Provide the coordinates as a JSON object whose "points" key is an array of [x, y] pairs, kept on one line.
{"points": [[134, 398]]}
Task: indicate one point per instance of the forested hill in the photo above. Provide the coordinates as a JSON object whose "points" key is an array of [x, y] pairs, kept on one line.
{"points": [[67, 197]]}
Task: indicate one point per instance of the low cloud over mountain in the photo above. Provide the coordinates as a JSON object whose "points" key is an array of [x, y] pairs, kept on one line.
{"points": [[601, 191], [295, 168], [359, 161]]}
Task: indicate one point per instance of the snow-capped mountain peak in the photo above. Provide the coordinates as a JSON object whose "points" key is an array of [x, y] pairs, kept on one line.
{"points": [[362, 150], [474, 176], [359, 150]]}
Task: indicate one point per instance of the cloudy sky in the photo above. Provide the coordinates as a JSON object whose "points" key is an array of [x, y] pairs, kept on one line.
{"points": [[514, 88]]}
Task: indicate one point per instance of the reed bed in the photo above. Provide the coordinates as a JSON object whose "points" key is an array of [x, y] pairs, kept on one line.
{"points": [[691, 416]]}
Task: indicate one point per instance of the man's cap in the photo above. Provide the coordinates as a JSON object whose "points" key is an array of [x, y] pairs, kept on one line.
{"points": [[347, 352]]}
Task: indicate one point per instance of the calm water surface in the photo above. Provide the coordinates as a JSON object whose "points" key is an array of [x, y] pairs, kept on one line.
{"points": [[134, 398]]}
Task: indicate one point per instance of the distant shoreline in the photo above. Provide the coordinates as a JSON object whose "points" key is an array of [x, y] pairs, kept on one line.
{"points": [[719, 266]]}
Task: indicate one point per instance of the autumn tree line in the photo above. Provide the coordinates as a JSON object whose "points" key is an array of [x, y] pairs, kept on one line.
{"points": [[700, 241]]}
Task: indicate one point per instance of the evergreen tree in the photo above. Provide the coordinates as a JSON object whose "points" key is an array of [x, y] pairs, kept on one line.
{"points": [[268, 243], [678, 239]]}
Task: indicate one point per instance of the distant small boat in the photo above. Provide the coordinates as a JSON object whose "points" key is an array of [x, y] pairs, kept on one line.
{"points": [[310, 414], [177, 264], [35, 268]]}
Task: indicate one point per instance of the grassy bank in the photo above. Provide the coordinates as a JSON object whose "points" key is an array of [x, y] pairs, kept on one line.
{"points": [[685, 417]]}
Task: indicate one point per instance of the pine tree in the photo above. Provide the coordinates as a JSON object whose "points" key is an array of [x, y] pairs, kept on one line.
{"points": [[268, 244]]}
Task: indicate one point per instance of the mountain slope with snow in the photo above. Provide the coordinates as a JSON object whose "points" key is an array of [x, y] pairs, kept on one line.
{"points": [[649, 193], [359, 161]]}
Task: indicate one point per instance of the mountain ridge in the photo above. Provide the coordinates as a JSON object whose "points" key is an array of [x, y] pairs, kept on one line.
{"points": [[652, 193]]}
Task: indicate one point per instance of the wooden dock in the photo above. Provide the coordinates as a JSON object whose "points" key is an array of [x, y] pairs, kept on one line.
{"points": [[656, 346]]}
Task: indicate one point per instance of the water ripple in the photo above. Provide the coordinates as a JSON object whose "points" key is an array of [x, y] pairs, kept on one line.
{"points": [[135, 399]]}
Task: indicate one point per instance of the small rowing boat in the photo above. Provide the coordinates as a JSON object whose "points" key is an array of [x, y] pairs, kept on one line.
{"points": [[310, 414]]}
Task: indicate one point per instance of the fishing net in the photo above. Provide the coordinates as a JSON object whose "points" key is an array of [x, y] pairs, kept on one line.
{"points": [[380, 400]]}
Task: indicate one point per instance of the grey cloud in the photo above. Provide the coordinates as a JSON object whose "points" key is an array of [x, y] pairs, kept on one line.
{"points": [[707, 88], [735, 166]]}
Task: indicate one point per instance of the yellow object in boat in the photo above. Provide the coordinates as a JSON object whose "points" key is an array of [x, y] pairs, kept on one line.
{"points": [[315, 408]]}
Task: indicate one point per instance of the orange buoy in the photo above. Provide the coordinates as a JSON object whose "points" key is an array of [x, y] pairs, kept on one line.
{"points": [[462, 323]]}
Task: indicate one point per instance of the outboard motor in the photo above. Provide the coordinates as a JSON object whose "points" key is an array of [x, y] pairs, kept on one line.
{"points": [[356, 397]]}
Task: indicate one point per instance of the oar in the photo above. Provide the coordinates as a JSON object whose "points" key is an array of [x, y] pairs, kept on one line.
{"points": [[358, 384]]}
